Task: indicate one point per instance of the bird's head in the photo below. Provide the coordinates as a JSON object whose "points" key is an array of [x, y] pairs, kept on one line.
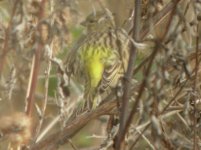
{"points": [[98, 21]]}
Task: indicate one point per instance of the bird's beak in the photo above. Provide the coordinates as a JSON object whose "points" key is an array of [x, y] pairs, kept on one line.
{"points": [[83, 23]]}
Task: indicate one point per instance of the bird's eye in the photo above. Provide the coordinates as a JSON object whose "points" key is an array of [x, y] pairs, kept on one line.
{"points": [[91, 21]]}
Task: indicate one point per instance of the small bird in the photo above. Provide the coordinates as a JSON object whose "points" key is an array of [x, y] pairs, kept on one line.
{"points": [[100, 57]]}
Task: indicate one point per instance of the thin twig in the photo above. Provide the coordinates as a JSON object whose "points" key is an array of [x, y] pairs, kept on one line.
{"points": [[195, 146], [119, 144], [147, 124], [75, 125], [173, 98], [139, 135], [44, 105], [48, 128], [146, 139], [156, 19], [73, 146], [141, 90]]}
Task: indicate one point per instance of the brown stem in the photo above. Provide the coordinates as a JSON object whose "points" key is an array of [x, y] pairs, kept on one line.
{"points": [[143, 85], [119, 144], [195, 146], [36, 67], [74, 126], [5, 49]]}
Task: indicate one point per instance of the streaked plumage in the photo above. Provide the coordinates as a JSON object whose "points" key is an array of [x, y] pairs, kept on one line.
{"points": [[100, 57]]}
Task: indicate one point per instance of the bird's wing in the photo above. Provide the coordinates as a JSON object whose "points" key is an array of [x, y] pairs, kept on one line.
{"points": [[110, 76]]}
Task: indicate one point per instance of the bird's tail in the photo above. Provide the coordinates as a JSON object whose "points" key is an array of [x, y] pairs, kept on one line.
{"points": [[92, 99]]}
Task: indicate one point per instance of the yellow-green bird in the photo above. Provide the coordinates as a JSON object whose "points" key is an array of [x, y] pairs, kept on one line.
{"points": [[100, 57]]}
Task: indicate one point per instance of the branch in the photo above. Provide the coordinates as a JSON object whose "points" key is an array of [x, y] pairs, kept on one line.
{"points": [[5, 49], [147, 72], [124, 122], [35, 68], [119, 144], [195, 145], [75, 125]]}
